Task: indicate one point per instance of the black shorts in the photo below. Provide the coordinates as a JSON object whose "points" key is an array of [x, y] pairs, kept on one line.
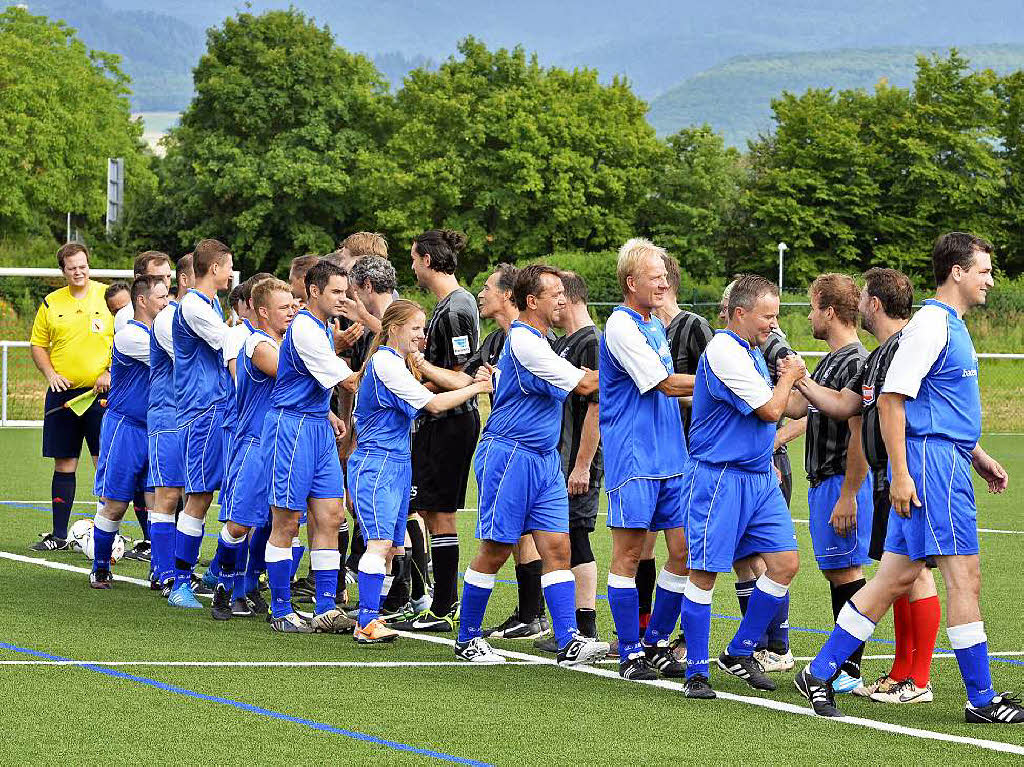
{"points": [[781, 461], [442, 451], [880, 519], [583, 508], [63, 431]]}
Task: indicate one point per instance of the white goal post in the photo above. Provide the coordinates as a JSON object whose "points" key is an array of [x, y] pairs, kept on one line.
{"points": [[8, 382]]}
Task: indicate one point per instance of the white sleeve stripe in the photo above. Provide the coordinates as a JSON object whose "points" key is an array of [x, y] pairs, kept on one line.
{"points": [[536, 356], [629, 348], [735, 368], [393, 374], [310, 343], [924, 338], [133, 341]]}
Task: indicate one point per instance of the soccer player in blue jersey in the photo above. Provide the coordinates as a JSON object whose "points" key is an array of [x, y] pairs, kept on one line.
{"points": [[122, 467], [519, 472], [166, 471], [200, 391], [245, 502], [733, 504], [299, 443], [380, 469], [930, 412], [644, 456]]}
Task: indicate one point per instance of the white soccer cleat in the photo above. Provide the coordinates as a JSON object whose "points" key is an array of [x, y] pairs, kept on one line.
{"points": [[477, 650], [906, 691], [774, 662]]}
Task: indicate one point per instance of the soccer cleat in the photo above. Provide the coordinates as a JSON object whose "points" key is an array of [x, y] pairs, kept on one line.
{"points": [[678, 647], [511, 622], [746, 668], [906, 691], [1004, 709], [221, 603], [845, 684], [167, 587], [818, 692], [661, 658], [884, 683], [773, 662], [422, 604], [182, 596], [636, 667], [209, 580], [477, 650], [332, 622], [240, 608], [49, 542], [257, 603], [100, 579], [200, 588], [140, 551], [351, 576], [155, 585], [291, 624], [428, 622], [580, 651], [697, 686], [399, 614], [304, 589], [546, 644], [375, 632]]}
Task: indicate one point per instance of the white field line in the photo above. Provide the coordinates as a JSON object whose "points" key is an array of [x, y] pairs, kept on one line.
{"points": [[260, 664], [774, 705]]}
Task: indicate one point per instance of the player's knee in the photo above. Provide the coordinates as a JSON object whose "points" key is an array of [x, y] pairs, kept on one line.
{"points": [[784, 567]]}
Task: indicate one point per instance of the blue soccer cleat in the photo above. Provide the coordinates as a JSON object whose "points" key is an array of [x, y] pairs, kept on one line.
{"points": [[182, 596]]}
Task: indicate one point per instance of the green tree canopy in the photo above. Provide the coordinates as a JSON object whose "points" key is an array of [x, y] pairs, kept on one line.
{"points": [[63, 111], [265, 155]]}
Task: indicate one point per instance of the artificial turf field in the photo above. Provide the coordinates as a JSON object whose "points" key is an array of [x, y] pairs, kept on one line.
{"points": [[411, 710]]}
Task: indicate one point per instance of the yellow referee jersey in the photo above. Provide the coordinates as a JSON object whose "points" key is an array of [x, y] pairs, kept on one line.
{"points": [[78, 333]]}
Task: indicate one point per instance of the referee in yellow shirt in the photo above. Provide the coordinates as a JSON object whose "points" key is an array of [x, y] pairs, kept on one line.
{"points": [[71, 341]]}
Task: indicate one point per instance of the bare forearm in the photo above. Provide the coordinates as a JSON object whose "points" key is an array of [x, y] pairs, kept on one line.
{"points": [[444, 379], [449, 399], [838, 405], [796, 405], [677, 385], [893, 422], [590, 438], [775, 408], [790, 431], [41, 358], [856, 462]]}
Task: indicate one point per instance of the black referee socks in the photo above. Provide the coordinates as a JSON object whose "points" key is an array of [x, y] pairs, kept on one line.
{"points": [[62, 493]]}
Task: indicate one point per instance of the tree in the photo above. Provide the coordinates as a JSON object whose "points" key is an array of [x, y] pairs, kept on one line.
{"points": [[694, 193], [266, 153], [525, 160], [1010, 240], [63, 111]]}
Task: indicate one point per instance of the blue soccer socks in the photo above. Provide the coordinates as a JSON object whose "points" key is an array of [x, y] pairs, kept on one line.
{"points": [[696, 612], [970, 645], [764, 604], [186, 547], [103, 533], [476, 591], [624, 602], [371, 582], [668, 601], [279, 574], [560, 593], [852, 629], [324, 564]]}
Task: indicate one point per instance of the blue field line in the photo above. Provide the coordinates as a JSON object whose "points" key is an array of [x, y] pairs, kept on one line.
{"points": [[320, 726], [89, 514]]}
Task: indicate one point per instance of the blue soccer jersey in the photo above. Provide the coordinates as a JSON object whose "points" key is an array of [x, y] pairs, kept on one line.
{"points": [[307, 368], [732, 382], [388, 401], [532, 383], [234, 341], [641, 429], [936, 368], [199, 381], [253, 389], [129, 373], [162, 413]]}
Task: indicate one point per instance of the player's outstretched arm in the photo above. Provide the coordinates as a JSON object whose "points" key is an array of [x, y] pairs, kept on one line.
{"points": [[264, 357], [791, 369], [590, 438], [837, 405], [442, 378], [892, 418], [587, 384], [677, 385], [449, 399], [989, 469]]}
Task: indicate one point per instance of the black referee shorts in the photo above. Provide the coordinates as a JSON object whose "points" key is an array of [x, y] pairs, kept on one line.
{"points": [[781, 461], [442, 451], [63, 431]]}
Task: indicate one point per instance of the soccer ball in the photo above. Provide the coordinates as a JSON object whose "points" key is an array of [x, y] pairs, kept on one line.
{"points": [[89, 548], [117, 552], [79, 531]]}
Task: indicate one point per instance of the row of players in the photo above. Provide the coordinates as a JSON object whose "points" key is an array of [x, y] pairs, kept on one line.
{"points": [[714, 493]]}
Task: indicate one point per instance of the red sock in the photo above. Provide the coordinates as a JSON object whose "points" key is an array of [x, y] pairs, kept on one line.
{"points": [[645, 618], [925, 615], [901, 618]]}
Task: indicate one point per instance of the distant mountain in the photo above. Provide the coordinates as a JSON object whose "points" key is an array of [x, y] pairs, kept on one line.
{"points": [[735, 97]]}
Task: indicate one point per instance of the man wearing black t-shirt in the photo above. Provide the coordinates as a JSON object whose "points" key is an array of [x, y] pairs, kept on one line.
{"points": [[443, 443], [580, 450], [885, 306]]}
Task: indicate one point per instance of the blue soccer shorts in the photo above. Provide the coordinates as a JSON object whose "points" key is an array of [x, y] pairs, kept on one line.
{"points": [[202, 450], [731, 514], [165, 467], [647, 504], [380, 484], [520, 491], [124, 460], [301, 459], [245, 503], [227, 439], [946, 523], [832, 550]]}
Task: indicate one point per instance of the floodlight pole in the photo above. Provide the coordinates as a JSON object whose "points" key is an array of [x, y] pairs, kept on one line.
{"points": [[782, 249]]}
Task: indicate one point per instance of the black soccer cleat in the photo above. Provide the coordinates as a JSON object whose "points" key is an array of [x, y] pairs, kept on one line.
{"points": [[50, 542], [257, 603], [661, 658], [221, 603], [199, 588], [240, 608], [141, 551], [101, 579], [510, 623], [637, 668], [745, 667], [1005, 708], [818, 691], [697, 686]]}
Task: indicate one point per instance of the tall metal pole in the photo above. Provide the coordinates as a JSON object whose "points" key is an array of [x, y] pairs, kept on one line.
{"points": [[782, 249]]}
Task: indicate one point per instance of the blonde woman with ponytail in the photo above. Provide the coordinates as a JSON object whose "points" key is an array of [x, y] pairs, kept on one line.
{"points": [[390, 397]]}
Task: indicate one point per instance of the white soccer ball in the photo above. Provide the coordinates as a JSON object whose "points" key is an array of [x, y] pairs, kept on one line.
{"points": [[116, 552], [87, 545], [79, 531]]}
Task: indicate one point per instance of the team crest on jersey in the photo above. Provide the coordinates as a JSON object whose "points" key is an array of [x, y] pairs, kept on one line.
{"points": [[460, 345], [867, 394]]}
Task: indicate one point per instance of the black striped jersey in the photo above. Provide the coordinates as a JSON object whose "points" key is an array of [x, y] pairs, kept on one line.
{"points": [[688, 333], [826, 440], [453, 334], [868, 385], [582, 349]]}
